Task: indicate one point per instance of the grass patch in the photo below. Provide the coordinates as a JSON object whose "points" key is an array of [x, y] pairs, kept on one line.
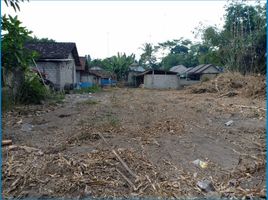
{"points": [[92, 89], [89, 136], [113, 121], [56, 98]]}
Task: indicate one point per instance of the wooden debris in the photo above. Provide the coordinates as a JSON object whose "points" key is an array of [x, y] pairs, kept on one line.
{"points": [[228, 94], [127, 179], [6, 142], [250, 107], [119, 158]]}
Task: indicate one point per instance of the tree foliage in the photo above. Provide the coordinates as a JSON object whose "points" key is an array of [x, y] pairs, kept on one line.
{"points": [[14, 3], [24, 85], [119, 64], [241, 45], [36, 39], [181, 52], [14, 36], [148, 58]]}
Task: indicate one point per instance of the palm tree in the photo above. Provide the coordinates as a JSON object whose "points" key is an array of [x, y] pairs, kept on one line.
{"points": [[148, 60]]}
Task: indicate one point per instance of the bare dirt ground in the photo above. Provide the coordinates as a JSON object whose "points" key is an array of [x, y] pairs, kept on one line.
{"points": [[158, 134]]}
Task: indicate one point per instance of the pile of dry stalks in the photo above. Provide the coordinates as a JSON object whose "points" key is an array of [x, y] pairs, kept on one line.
{"points": [[231, 84]]}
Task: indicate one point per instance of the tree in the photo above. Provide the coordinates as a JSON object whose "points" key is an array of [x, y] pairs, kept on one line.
{"points": [[21, 84], [148, 58], [13, 54], [240, 46], [181, 52], [96, 63], [119, 64], [36, 39], [13, 3]]}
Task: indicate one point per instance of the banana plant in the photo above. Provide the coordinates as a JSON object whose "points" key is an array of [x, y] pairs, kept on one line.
{"points": [[119, 64]]}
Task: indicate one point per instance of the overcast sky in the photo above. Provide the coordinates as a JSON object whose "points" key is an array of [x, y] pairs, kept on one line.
{"points": [[103, 28]]}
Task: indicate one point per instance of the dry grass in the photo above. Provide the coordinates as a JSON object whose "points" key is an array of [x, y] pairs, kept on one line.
{"points": [[231, 84]]}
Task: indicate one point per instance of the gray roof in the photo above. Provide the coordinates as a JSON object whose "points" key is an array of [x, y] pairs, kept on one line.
{"points": [[54, 50], [179, 69], [137, 69], [188, 69], [200, 68]]}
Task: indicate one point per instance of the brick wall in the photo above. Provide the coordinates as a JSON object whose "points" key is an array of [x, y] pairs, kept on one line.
{"points": [[158, 81]]}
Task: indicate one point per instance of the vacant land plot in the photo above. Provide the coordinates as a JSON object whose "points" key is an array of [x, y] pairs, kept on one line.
{"points": [[136, 142]]}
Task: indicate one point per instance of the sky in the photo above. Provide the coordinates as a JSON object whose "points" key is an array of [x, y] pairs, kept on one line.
{"points": [[103, 28]]}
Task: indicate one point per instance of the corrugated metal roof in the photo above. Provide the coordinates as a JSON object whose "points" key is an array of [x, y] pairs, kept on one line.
{"points": [[137, 68], [200, 68], [179, 69]]}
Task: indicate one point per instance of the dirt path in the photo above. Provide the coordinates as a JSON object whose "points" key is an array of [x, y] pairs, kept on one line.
{"points": [[157, 133]]}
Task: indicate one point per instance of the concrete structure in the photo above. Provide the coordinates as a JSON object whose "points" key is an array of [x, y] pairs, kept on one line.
{"points": [[158, 79], [58, 61], [133, 72], [102, 77], [82, 72]]}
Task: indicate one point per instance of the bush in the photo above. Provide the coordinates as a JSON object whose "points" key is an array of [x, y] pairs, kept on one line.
{"points": [[32, 90], [54, 97], [205, 79]]}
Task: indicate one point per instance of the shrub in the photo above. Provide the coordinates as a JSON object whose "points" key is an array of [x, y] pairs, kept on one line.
{"points": [[32, 90], [55, 97], [204, 79]]}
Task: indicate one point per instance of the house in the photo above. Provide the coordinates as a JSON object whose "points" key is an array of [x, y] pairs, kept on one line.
{"points": [[58, 60], [203, 71], [183, 74], [102, 77], [134, 70], [84, 77], [80, 69], [158, 79], [179, 69]]}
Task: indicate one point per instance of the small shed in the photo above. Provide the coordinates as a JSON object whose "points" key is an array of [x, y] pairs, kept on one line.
{"points": [[134, 70], [58, 60], [202, 71], [86, 79], [80, 69], [103, 77], [158, 79]]}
